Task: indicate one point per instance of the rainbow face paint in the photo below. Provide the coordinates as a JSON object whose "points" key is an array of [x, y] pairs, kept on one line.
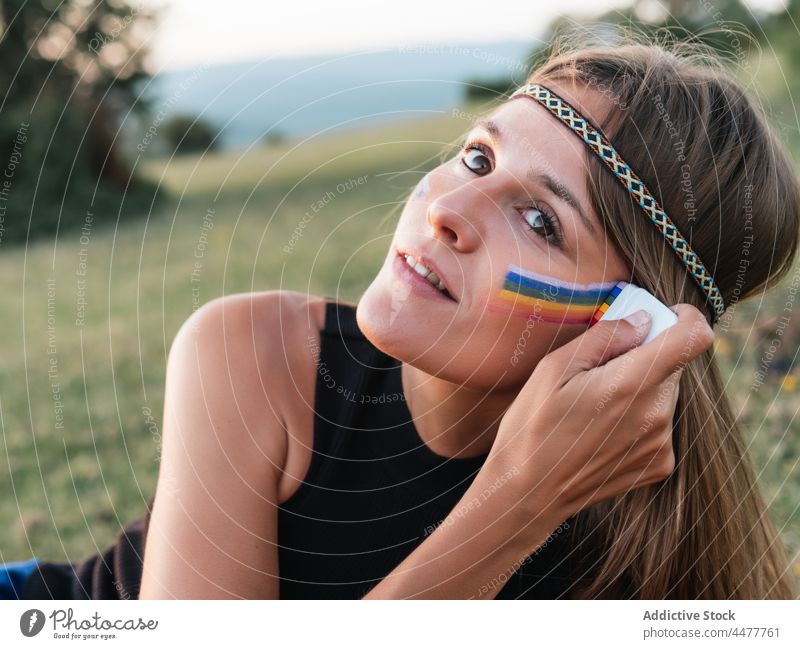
{"points": [[531, 295]]}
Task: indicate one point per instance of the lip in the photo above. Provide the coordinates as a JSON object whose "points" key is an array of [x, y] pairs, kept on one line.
{"points": [[419, 283]]}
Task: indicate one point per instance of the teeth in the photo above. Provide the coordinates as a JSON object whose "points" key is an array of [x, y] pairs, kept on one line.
{"points": [[423, 271]]}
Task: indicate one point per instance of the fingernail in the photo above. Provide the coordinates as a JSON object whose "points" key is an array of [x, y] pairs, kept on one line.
{"points": [[640, 320]]}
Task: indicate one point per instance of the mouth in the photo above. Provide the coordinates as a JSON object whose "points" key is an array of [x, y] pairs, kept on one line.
{"points": [[424, 269]]}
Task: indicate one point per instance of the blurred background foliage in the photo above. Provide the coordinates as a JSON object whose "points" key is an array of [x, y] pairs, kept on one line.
{"points": [[71, 72]]}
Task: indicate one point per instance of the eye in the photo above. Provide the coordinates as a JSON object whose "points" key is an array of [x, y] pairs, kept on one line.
{"points": [[538, 218], [542, 223], [476, 158]]}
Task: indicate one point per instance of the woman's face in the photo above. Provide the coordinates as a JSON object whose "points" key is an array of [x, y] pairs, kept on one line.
{"points": [[516, 194]]}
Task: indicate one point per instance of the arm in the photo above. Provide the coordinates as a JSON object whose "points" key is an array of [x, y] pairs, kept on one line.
{"points": [[212, 531]]}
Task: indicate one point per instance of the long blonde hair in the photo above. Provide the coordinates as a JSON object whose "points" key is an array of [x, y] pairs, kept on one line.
{"points": [[706, 152]]}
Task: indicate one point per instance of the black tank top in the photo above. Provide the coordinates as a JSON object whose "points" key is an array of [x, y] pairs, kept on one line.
{"points": [[374, 490], [372, 493]]}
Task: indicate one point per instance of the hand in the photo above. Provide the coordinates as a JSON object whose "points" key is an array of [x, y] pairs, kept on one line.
{"points": [[594, 419]]}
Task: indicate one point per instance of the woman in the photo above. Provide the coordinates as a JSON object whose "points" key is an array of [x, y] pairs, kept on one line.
{"points": [[427, 443]]}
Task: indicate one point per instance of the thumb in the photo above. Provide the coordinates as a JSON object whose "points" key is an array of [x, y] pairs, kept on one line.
{"points": [[600, 343]]}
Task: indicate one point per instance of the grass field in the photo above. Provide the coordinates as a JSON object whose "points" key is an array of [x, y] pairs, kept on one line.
{"points": [[88, 322]]}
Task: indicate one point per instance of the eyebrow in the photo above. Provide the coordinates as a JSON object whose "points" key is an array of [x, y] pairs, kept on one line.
{"points": [[558, 189]]}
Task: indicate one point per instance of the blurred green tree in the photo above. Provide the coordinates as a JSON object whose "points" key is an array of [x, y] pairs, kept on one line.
{"points": [[273, 137], [70, 71], [189, 134]]}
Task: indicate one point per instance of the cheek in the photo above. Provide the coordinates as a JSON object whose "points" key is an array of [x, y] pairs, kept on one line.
{"points": [[521, 344], [537, 297], [438, 181], [423, 188]]}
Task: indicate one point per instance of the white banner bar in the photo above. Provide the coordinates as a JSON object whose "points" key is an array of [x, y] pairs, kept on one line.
{"points": [[400, 624]]}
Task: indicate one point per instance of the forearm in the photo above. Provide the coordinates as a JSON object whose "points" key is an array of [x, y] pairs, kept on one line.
{"points": [[474, 550]]}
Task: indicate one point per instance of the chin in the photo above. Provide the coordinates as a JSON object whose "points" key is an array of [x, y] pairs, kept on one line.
{"points": [[398, 327], [389, 317], [399, 324]]}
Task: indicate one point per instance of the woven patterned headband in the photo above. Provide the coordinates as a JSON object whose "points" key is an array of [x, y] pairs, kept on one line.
{"points": [[598, 143]]}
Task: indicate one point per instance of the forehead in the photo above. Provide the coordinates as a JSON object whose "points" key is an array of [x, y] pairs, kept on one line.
{"points": [[531, 136]]}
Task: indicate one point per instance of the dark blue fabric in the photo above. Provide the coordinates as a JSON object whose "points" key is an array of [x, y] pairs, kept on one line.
{"points": [[13, 576]]}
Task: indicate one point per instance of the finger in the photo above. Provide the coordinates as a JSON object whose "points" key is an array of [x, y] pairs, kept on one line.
{"points": [[676, 382], [605, 340], [670, 351]]}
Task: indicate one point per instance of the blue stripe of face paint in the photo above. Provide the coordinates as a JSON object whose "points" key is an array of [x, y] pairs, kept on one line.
{"points": [[520, 283]]}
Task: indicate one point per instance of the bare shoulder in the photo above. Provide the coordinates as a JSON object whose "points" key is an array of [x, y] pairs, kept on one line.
{"points": [[236, 372], [264, 342]]}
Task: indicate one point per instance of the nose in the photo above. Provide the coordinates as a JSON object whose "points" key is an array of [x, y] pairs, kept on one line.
{"points": [[454, 218]]}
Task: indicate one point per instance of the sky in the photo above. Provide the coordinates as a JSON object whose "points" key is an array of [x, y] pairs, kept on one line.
{"points": [[197, 32], [193, 33]]}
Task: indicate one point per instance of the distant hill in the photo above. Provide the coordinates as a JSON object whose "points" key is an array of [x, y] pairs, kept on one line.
{"points": [[304, 96]]}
